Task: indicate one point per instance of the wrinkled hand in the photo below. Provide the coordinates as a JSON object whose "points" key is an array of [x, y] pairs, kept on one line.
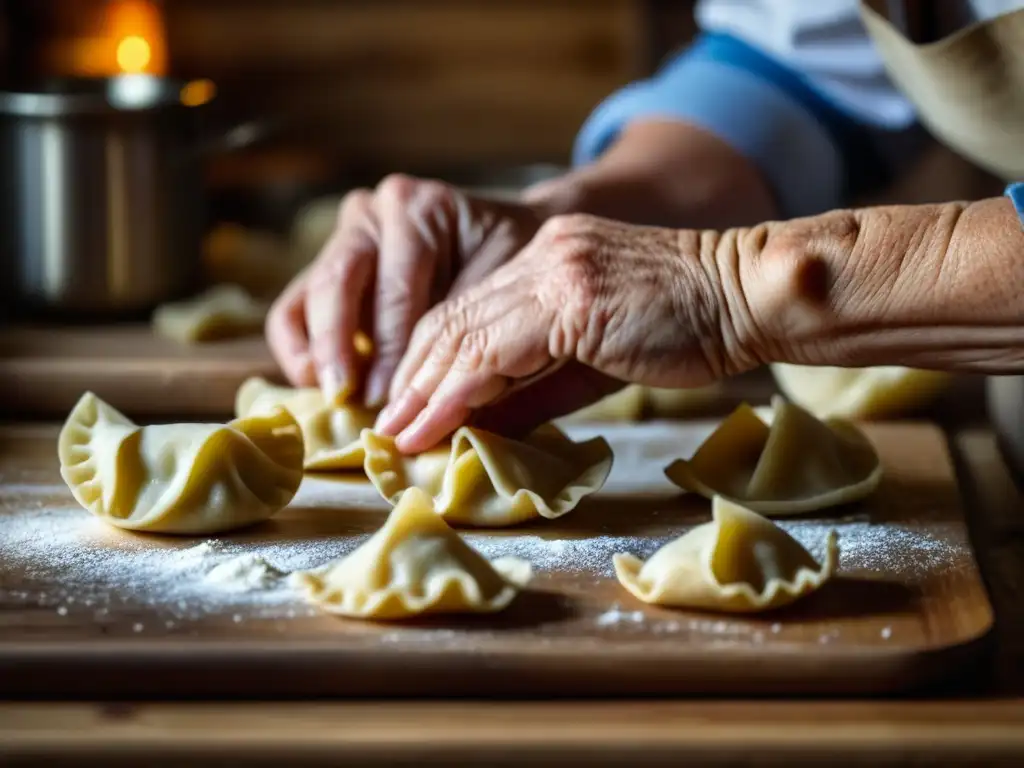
{"points": [[589, 304], [395, 251]]}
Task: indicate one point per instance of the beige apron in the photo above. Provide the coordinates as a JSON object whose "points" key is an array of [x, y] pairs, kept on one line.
{"points": [[968, 89]]}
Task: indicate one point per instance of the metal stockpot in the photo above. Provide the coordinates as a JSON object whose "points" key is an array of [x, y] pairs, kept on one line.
{"points": [[101, 208]]}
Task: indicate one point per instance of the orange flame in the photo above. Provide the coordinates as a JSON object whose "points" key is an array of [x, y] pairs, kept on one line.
{"points": [[136, 31]]}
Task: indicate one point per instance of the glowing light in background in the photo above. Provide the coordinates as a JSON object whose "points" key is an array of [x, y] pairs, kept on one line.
{"points": [[133, 54], [197, 92], [119, 37]]}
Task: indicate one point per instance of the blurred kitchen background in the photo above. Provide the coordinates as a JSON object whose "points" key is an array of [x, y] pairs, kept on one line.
{"points": [[314, 97], [486, 94], [149, 148], [324, 95]]}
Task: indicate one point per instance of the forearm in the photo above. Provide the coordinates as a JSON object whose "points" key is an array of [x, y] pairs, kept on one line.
{"points": [[938, 286], [663, 172]]}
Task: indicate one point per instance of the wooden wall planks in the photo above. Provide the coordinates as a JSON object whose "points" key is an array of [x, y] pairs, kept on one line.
{"points": [[405, 83]]}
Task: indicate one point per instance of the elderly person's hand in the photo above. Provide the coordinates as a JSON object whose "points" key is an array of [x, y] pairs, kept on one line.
{"points": [[600, 301], [409, 243], [591, 303], [395, 252]]}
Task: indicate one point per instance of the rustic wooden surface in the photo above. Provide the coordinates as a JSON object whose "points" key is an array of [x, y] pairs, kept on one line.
{"points": [[534, 733], [902, 624], [982, 725], [43, 371]]}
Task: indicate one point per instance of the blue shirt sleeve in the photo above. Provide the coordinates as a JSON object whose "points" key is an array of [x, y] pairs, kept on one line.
{"points": [[1016, 194], [811, 153]]}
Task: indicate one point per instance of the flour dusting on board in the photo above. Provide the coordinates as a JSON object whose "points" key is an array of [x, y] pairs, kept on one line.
{"points": [[63, 559]]}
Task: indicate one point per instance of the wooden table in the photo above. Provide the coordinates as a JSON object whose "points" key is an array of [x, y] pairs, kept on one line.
{"points": [[982, 724]]}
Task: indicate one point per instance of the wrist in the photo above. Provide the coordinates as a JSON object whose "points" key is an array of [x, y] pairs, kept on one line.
{"points": [[929, 286], [663, 173], [794, 281]]}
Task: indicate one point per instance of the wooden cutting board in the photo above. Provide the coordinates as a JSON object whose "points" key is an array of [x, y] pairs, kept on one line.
{"points": [[89, 610], [43, 371]]}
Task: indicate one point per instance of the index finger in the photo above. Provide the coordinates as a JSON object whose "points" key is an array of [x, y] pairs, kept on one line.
{"points": [[286, 333], [333, 309]]}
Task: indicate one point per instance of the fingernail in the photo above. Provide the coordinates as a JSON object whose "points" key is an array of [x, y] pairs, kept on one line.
{"points": [[334, 383], [383, 418], [376, 390], [392, 418], [407, 438]]}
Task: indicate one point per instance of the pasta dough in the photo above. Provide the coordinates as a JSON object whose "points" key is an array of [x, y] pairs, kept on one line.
{"points": [[665, 403], [484, 479], [415, 564], [740, 562], [221, 312], [636, 402], [330, 433], [179, 478], [798, 464], [625, 405], [858, 393]]}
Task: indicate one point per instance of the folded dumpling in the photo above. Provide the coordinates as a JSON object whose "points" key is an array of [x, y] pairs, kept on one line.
{"points": [[415, 564], [179, 478], [625, 405], [667, 403], [740, 562], [798, 464], [483, 479], [858, 393], [223, 311], [331, 432], [636, 403]]}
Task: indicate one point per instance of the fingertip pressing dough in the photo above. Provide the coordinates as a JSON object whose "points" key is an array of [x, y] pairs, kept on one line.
{"points": [[414, 565], [222, 312], [739, 562], [484, 479], [858, 393], [330, 432], [797, 464], [179, 478]]}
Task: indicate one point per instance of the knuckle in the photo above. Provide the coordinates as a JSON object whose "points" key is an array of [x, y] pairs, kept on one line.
{"points": [[395, 287], [434, 327], [430, 195], [475, 351], [355, 204], [580, 277], [398, 187], [391, 343], [570, 226]]}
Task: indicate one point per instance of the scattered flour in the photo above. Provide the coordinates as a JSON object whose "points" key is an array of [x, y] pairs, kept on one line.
{"points": [[243, 573], [66, 560], [615, 615]]}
